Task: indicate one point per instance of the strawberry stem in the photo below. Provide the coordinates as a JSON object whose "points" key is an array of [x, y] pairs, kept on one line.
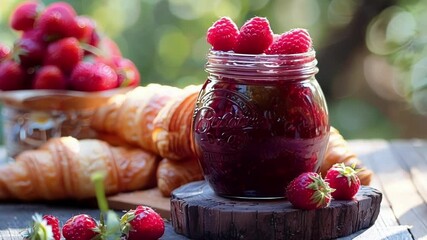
{"points": [[109, 227], [94, 50], [40, 230], [98, 180]]}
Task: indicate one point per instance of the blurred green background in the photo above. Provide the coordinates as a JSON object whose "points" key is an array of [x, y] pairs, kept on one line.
{"points": [[372, 54]]}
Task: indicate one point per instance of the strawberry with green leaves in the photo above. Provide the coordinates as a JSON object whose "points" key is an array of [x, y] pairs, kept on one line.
{"points": [[80, 227], [309, 191], [142, 223], [344, 179], [46, 227], [127, 72]]}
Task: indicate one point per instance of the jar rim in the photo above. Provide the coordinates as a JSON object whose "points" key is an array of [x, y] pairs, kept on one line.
{"points": [[310, 53], [274, 66]]}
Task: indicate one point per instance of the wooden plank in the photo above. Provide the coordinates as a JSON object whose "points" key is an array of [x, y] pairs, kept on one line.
{"points": [[387, 225], [407, 205], [413, 154], [151, 197], [11, 234], [2, 155]]}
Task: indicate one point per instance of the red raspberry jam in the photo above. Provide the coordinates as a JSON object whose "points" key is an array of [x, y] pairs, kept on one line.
{"points": [[259, 121]]}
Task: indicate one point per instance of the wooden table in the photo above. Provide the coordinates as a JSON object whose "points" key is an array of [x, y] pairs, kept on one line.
{"points": [[400, 168]]}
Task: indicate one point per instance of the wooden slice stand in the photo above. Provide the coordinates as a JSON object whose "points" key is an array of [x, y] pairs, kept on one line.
{"points": [[198, 213]]}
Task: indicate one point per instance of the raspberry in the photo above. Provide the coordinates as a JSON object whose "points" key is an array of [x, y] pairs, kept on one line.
{"points": [[297, 40], [255, 36], [24, 16], [222, 35]]}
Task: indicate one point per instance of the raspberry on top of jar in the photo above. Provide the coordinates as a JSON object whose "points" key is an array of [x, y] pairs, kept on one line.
{"points": [[256, 37]]}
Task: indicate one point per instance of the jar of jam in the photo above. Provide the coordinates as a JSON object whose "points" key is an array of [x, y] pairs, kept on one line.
{"points": [[259, 121]]}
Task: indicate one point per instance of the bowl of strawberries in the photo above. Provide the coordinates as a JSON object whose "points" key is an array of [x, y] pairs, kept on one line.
{"points": [[57, 73]]}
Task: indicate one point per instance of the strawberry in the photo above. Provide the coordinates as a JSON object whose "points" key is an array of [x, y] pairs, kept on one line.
{"points": [[57, 21], [95, 39], [309, 191], [255, 36], [54, 223], [65, 6], [4, 52], [24, 15], [29, 51], [297, 40], [109, 48], [91, 77], [49, 77], [222, 35], [80, 227], [85, 30], [12, 76], [34, 34], [46, 227], [344, 179], [142, 223], [64, 53], [127, 73]]}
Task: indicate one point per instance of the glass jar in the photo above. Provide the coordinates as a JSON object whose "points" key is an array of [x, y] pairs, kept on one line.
{"points": [[259, 121], [31, 117]]}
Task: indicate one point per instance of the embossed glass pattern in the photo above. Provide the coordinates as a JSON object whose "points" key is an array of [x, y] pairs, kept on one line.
{"points": [[26, 129], [31, 117], [259, 121]]}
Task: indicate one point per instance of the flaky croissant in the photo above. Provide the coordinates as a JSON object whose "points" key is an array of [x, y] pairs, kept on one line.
{"points": [[172, 125], [62, 168], [131, 116], [173, 174], [338, 151]]}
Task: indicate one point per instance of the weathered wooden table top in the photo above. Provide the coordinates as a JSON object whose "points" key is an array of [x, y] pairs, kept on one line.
{"points": [[400, 168]]}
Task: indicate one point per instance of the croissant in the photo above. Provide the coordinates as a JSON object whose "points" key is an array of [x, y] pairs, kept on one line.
{"points": [[173, 174], [338, 151], [172, 125], [131, 116], [62, 169]]}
